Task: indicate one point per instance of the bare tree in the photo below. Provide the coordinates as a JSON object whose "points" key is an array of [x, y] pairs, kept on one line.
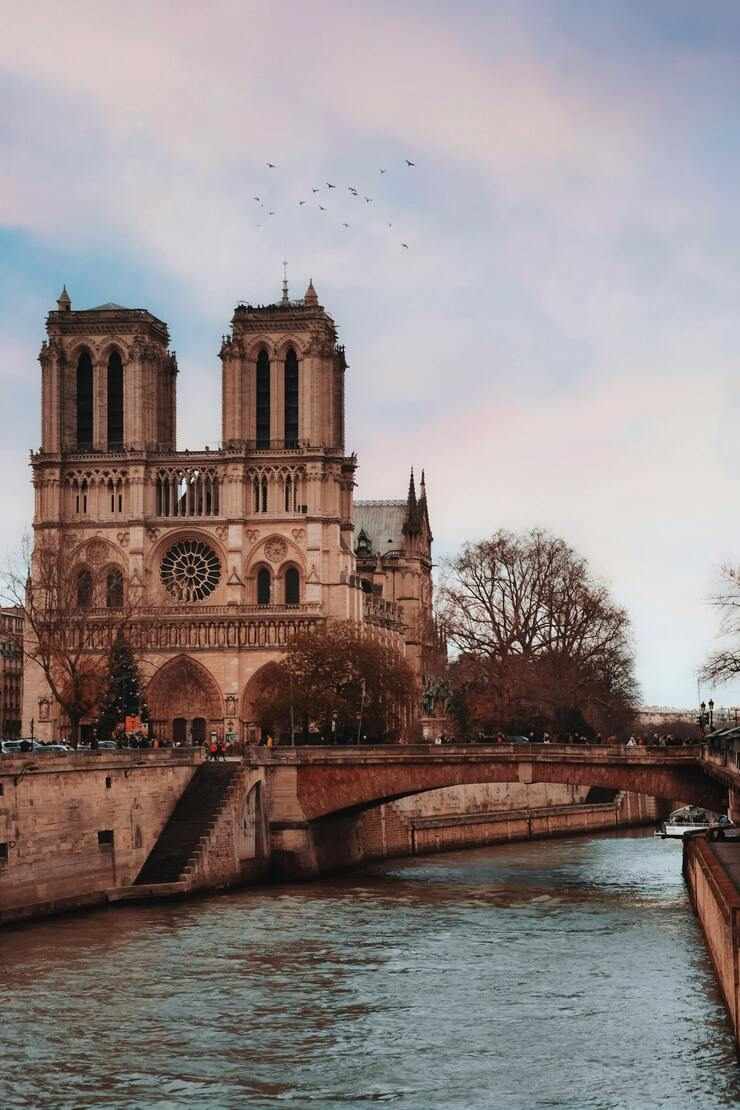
{"points": [[339, 682], [724, 664], [538, 637], [63, 633]]}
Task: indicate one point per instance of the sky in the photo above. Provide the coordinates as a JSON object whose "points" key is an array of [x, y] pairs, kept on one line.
{"points": [[558, 343]]}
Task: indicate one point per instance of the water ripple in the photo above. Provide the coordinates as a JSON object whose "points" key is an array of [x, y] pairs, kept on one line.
{"points": [[561, 974]]}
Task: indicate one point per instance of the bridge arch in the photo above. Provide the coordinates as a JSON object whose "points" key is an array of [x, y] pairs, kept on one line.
{"points": [[327, 789]]}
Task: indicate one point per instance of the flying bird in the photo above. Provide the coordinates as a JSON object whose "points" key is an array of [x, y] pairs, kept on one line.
{"points": [[321, 208], [368, 200], [316, 190], [410, 163], [330, 186], [257, 199], [405, 245], [271, 165], [382, 171], [270, 213], [300, 202], [345, 225], [390, 225]]}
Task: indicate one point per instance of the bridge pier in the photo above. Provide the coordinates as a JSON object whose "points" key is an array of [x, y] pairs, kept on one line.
{"points": [[292, 844], [734, 806]]}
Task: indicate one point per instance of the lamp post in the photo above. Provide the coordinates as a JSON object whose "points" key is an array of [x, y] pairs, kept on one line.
{"points": [[706, 715]]}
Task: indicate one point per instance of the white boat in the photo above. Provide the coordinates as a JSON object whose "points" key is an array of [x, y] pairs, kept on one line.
{"points": [[688, 819]]}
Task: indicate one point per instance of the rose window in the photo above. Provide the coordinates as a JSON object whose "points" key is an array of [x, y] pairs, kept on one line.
{"points": [[190, 570]]}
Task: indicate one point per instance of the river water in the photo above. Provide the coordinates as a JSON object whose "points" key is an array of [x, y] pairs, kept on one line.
{"points": [[567, 973]]}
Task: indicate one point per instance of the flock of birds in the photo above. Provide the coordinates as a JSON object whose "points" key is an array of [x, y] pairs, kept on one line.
{"points": [[353, 190]]}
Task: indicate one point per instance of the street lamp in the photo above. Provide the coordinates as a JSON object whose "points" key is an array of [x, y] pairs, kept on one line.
{"points": [[706, 715]]}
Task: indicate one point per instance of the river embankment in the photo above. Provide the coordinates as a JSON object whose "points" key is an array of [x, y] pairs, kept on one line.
{"points": [[76, 831], [711, 867]]}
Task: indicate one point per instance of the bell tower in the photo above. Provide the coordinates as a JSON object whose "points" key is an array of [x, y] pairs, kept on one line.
{"points": [[283, 377], [108, 381]]}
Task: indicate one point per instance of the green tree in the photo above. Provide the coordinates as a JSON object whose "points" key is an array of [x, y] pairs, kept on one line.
{"points": [[123, 693]]}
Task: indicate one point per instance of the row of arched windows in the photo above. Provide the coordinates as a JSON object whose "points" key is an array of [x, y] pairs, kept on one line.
{"points": [[113, 589], [188, 493], [94, 495], [287, 489], [113, 586], [86, 402], [265, 586], [290, 394]]}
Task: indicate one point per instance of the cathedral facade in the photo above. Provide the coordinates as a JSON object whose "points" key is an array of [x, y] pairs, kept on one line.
{"points": [[219, 556]]}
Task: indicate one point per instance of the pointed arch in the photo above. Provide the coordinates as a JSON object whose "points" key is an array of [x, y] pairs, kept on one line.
{"points": [[292, 580], [84, 588], [290, 383], [114, 588], [264, 586], [84, 400], [115, 400], [183, 688], [263, 399]]}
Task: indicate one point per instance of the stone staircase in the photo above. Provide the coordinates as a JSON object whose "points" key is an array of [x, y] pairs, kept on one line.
{"points": [[190, 824]]}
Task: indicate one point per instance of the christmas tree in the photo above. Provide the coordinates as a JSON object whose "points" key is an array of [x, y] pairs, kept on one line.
{"points": [[124, 696]]}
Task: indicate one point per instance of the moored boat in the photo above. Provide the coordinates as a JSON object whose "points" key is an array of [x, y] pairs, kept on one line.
{"points": [[688, 819]]}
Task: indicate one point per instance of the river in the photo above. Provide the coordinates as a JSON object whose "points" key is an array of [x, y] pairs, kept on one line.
{"points": [[567, 973]]}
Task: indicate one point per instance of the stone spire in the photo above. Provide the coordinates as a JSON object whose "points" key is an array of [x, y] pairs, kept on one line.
{"points": [[311, 296], [64, 303], [411, 523]]}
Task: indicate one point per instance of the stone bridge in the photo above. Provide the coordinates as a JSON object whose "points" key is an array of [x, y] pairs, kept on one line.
{"points": [[312, 792]]}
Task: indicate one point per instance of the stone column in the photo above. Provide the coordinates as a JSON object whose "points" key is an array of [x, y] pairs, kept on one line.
{"points": [[100, 404], [277, 400], [133, 429]]}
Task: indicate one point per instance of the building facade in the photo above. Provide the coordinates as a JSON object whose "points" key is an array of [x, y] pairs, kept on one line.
{"points": [[218, 555], [11, 672]]}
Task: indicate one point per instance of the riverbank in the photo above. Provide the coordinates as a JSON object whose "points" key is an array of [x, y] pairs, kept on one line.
{"points": [[712, 871], [84, 830], [523, 976]]}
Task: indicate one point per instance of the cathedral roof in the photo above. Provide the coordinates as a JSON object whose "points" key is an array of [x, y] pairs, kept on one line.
{"points": [[382, 522], [109, 306]]}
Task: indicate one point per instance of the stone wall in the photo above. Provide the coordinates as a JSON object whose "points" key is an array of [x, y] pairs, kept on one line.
{"points": [[483, 797], [236, 849], [418, 825], [73, 827], [716, 901]]}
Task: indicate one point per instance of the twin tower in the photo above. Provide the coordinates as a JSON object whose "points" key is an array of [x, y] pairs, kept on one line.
{"points": [[109, 380], [219, 555]]}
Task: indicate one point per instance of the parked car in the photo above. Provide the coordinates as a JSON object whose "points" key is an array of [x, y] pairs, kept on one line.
{"points": [[11, 747]]}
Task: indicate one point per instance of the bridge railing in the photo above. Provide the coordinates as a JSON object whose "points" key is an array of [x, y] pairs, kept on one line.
{"points": [[722, 751], [474, 753]]}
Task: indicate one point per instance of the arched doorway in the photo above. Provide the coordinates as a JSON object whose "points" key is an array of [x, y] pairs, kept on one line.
{"points": [[255, 725], [185, 703]]}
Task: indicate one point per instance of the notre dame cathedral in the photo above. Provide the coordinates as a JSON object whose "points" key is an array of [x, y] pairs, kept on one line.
{"points": [[221, 554]]}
